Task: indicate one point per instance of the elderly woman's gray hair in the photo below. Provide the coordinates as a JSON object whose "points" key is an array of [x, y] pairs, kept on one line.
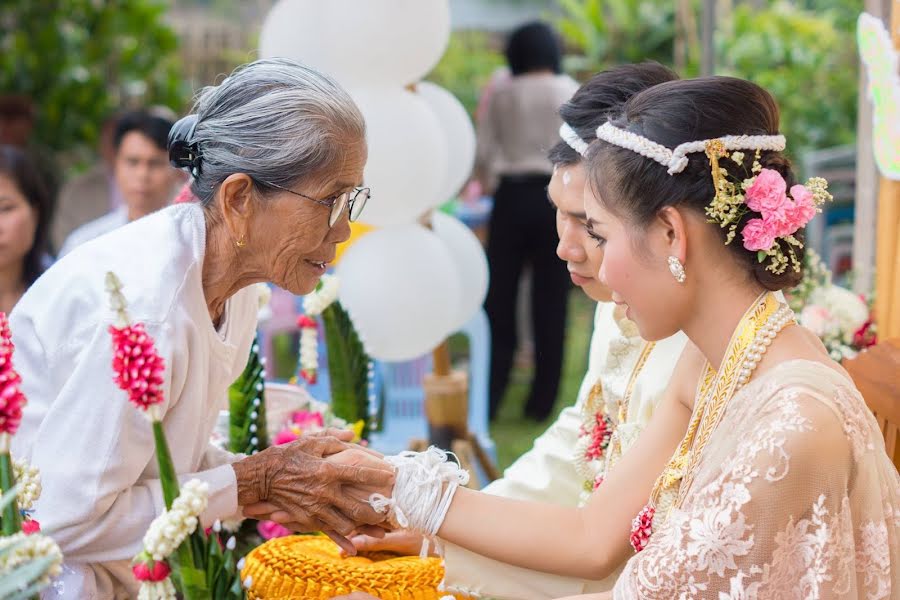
{"points": [[275, 120]]}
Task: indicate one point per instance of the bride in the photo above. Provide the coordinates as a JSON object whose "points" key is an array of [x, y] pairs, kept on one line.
{"points": [[781, 487]]}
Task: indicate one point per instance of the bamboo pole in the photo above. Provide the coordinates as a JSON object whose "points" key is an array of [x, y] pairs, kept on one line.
{"points": [[887, 252]]}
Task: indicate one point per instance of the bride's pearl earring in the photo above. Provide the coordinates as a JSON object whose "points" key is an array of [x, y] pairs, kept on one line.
{"points": [[677, 269]]}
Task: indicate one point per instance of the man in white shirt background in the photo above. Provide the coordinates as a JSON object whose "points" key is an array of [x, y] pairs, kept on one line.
{"points": [[142, 174]]}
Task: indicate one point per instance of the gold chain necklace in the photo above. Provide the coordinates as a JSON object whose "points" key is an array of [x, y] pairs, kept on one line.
{"points": [[757, 327]]}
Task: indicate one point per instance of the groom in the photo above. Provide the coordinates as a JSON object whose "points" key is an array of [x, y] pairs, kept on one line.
{"points": [[548, 473]]}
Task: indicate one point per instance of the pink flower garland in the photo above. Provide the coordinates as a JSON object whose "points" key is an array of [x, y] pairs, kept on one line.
{"points": [[11, 397], [642, 528], [782, 215], [138, 367], [600, 434]]}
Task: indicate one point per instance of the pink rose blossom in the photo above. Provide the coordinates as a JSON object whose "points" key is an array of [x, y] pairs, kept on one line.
{"points": [[138, 367], [270, 529], [767, 194], [758, 234]]}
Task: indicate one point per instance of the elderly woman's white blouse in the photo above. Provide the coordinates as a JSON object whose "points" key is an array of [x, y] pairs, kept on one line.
{"points": [[94, 449]]}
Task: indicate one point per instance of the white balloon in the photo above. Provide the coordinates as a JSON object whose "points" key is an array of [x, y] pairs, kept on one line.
{"points": [[407, 155], [360, 41], [400, 286], [470, 261], [457, 127]]}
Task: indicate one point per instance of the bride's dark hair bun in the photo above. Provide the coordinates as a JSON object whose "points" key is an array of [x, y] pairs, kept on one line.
{"points": [[184, 152]]}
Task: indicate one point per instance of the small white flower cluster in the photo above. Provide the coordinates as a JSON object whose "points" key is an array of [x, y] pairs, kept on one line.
{"points": [[316, 302], [171, 528], [309, 349], [29, 548], [28, 478], [157, 590]]}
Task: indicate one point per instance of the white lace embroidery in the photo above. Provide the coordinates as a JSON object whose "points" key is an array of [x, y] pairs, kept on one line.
{"points": [[755, 526]]}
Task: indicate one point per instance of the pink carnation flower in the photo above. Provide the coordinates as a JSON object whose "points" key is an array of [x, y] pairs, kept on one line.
{"points": [[767, 195], [803, 208], [138, 367], [759, 234], [11, 397]]}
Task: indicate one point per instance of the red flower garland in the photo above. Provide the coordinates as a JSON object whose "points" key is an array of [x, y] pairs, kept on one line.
{"points": [[11, 397], [600, 436], [139, 368], [642, 528]]}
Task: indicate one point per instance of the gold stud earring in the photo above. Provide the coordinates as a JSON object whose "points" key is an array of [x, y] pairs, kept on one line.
{"points": [[241, 243], [677, 269]]}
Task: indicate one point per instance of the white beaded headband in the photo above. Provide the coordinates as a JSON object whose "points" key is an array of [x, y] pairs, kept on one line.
{"points": [[676, 160], [572, 138]]}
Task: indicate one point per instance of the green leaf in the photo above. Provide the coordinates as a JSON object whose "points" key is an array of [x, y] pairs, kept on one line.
{"points": [[247, 388], [761, 255], [348, 366], [12, 519]]}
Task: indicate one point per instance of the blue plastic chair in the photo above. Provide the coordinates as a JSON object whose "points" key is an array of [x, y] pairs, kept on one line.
{"points": [[404, 398]]}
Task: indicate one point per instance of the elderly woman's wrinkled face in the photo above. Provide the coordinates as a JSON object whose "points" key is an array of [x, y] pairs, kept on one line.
{"points": [[294, 231]]}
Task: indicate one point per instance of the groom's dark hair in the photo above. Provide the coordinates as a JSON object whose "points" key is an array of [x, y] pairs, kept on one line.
{"points": [[602, 95]]}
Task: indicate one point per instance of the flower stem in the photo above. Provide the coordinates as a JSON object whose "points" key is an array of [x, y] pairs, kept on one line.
{"points": [[12, 520], [167, 476]]}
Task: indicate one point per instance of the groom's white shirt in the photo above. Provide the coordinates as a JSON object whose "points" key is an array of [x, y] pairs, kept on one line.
{"points": [[547, 472]]}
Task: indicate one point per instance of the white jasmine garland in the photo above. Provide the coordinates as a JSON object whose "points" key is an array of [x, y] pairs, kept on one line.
{"points": [[29, 548], [28, 478], [169, 529], [157, 590], [316, 302], [309, 349]]}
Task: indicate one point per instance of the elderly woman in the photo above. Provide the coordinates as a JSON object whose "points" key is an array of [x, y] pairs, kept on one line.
{"points": [[277, 152]]}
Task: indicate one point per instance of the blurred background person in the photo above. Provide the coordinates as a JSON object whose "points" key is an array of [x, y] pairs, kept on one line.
{"points": [[142, 173], [26, 209], [520, 124], [91, 194]]}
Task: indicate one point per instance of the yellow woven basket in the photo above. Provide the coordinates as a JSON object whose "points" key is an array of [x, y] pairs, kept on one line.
{"points": [[312, 567]]}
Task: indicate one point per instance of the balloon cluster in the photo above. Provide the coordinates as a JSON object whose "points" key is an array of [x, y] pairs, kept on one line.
{"points": [[406, 286]]}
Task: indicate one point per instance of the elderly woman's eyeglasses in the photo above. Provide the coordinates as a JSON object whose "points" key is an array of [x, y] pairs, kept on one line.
{"points": [[356, 199]]}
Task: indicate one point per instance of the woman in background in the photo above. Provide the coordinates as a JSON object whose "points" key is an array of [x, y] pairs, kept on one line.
{"points": [[521, 123], [26, 208]]}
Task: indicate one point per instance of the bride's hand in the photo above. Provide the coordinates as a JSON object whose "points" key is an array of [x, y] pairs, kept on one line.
{"points": [[402, 542]]}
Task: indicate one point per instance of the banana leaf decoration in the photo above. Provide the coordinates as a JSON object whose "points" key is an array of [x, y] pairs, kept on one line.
{"points": [[348, 368], [247, 432]]}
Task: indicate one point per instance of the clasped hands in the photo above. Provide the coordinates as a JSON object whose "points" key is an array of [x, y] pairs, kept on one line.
{"points": [[320, 482]]}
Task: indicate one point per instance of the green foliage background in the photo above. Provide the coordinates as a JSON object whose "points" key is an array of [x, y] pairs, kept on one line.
{"points": [[80, 60]]}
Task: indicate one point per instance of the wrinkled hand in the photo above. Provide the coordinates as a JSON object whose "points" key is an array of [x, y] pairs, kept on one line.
{"points": [[402, 542], [312, 491]]}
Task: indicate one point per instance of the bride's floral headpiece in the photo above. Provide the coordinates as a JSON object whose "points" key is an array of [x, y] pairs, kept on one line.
{"points": [[763, 191]]}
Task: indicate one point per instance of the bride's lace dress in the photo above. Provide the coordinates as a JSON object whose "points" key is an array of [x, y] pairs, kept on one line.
{"points": [[794, 497]]}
